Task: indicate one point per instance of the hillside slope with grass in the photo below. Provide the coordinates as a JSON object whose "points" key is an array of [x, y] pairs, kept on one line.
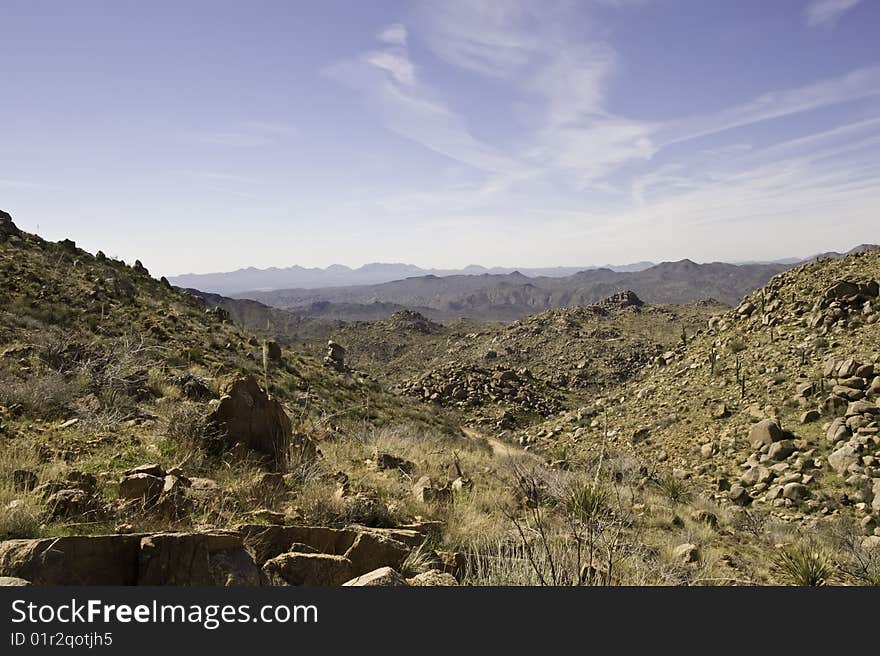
{"points": [[146, 439]]}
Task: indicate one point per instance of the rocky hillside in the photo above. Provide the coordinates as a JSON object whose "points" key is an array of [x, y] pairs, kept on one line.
{"points": [[506, 375], [770, 413], [146, 439]]}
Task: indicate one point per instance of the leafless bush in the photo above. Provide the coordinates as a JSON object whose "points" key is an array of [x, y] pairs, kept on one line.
{"points": [[753, 522], [856, 562], [47, 394]]}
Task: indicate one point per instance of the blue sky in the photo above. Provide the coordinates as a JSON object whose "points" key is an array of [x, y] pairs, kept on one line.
{"points": [[206, 136]]}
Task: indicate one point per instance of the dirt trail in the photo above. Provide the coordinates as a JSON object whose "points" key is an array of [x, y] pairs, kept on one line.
{"points": [[499, 448]]}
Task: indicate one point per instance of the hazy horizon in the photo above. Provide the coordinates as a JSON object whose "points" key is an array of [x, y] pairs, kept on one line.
{"points": [[210, 137]]}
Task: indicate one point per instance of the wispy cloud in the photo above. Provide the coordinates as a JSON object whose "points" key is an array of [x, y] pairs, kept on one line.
{"points": [[20, 184], [395, 34], [856, 85], [247, 134], [570, 150], [388, 82], [216, 176], [232, 139], [826, 13]]}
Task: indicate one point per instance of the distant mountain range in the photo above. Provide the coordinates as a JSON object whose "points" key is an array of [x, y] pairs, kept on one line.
{"points": [[505, 297], [338, 275], [243, 281]]}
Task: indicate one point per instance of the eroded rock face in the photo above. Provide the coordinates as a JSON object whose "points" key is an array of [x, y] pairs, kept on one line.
{"points": [[195, 559], [246, 415], [365, 549], [267, 542], [74, 560], [215, 559]]}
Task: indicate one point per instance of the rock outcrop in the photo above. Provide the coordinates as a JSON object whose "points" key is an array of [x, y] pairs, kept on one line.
{"points": [[245, 415]]}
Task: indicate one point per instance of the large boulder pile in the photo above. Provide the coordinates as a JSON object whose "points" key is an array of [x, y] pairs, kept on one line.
{"points": [[246, 416], [473, 386], [410, 321], [842, 299]]}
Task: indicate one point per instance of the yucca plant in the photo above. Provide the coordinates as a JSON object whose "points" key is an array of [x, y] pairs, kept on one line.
{"points": [[803, 564], [674, 488], [586, 502]]}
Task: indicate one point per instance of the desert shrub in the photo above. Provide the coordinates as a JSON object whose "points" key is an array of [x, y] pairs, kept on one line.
{"points": [[586, 502], [188, 433], [321, 505], [753, 522], [22, 517], [674, 488], [418, 561], [47, 394], [804, 563], [856, 561], [736, 345], [21, 510]]}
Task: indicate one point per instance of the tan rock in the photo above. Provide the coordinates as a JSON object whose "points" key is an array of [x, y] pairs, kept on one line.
{"points": [[312, 569], [246, 415], [384, 576]]}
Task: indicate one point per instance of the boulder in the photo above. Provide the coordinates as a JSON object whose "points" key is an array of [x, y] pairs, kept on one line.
{"points": [[273, 351], [832, 404], [740, 496], [7, 227], [765, 431], [810, 416], [384, 576], [246, 415], [795, 491], [686, 553], [755, 475], [370, 551], [837, 430], [871, 543], [841, 290], [189, 559], [841, 459], [141, 487], [73, 560], [781, 450], [13, 582], [433, 578], [313, 569], [862, 408], [719, 411]]}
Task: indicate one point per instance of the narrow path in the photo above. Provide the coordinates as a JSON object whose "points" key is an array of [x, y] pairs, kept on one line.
{"points": [[499, 448]]}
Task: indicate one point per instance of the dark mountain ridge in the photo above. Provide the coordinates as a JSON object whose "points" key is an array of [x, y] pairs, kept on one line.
{"points": [[506, 297]]}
